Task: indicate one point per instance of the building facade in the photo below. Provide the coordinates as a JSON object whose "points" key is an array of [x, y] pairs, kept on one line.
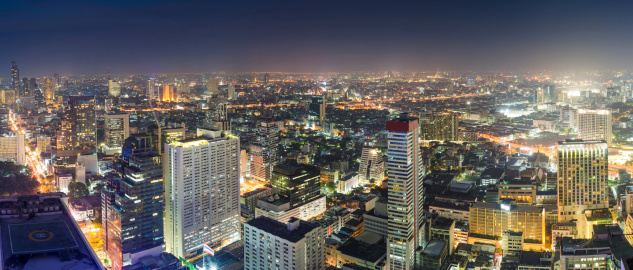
{"points": [[78, 130], [371, 165], [116, 128], [264, 151], [594, 124]]}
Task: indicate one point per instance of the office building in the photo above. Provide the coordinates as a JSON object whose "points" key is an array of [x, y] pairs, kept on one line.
{"points": [[316, 111], [217, 118], [152, 91], [39, 232], [582, 177], [405, 191], [163, 135], [114, 88], [78, 130], [116, 128], [133, 210], [441, 126], [594, 124], [549, 91], [296, 192], [490, 220], [15, 78], [270, 244], [202, 193], [371, 166], [511, 243], [264, 151], [231, 91], [212, 86], [49, 90]]}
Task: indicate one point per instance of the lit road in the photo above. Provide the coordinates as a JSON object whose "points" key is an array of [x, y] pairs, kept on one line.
{"points": [[38, 169]]}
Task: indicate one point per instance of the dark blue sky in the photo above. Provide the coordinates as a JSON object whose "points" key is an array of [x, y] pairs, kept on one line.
{"points": [[87, 37]]}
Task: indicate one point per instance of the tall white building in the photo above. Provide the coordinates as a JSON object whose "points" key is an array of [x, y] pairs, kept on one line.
{"points": [[270, 244], [594, 124], [152, 89], [13, 148], [582, 177], [371, 165], [264, 151], [116, 127], [202, 193], [114, 89], [405, 191]]}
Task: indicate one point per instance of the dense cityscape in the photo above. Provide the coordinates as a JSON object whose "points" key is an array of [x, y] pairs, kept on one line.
{"points": [[391, 168]]}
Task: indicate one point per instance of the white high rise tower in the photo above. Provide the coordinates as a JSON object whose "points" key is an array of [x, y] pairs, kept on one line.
{"points": [[202, 193], [405, 191]]}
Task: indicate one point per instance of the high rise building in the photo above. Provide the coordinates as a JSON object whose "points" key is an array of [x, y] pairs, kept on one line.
{"points": [[231, 92], [371, 165], [441, 127], [594, 124], [549, 91], [316, 110], [26, 90], [133, 210], [163, 135], [78, 129], [152, 91], [114, 88], [217, 118], [202, 193], [492, 220], [15, 77], [116, 128], [582, 177], [212, 86], [57, 80], [270, 244], [264, 151], [405, 191], [266, 78], [49, 90]]}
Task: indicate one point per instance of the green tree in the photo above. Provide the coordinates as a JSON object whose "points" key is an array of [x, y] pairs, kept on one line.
{"points": [[77, 190], [330, 187]]}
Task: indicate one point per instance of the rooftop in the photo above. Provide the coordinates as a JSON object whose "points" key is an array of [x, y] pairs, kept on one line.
{"points": [[434, 248], [366, 252], [281, 230]]}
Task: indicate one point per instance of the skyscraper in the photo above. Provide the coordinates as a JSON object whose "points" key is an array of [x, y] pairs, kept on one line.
{"points": [[217, 118], [133, 210], [212, 86], [371, 165], [594, 124], [231, 92], [264, 151], [405, 191], [26, 91], [78, 129], [15, 77], [151, 88], [316, 111], [116, 128], [549, 91], [49, 90], [114, 88], [202, 192], [582, 177]]}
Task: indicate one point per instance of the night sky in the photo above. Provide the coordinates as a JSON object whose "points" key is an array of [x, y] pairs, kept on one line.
{"points": [[87, 37]]}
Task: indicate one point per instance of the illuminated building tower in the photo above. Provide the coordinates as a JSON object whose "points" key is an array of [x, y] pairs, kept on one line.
{"points": [[57, 80], [217, 118], [212, 86], [491, 220], [151, 88], [202, 193], [114, 88], [116, 128], [316, 111], [266, 78], [231, 93], [371, 165], [78, 129], [132, 218], [26, 91], [594, 124], [264, 151], [549, 91], [405, 191], [582, 177], [15, 77], [163, 135], [441, 127], [49, 90]]}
